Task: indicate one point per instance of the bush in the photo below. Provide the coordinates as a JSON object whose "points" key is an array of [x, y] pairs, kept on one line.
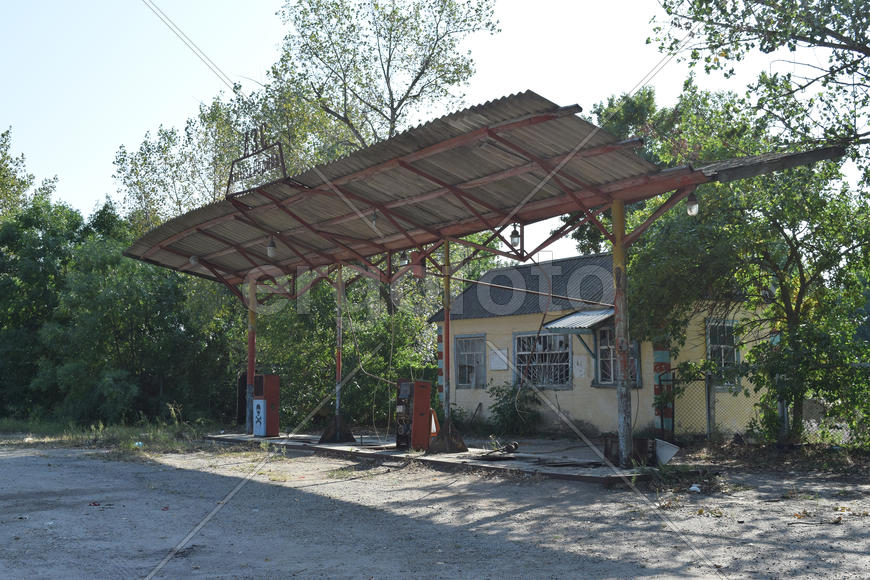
{"points": [[514, 409]]}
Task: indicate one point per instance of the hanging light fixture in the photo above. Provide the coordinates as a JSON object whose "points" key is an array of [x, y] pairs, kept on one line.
{"points": [[194, 261], [270, 248], [515, 237], [692, 204], [403, 259]]}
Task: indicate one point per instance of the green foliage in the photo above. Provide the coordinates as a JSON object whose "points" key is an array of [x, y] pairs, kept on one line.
{"points": [[89, 336], [784, 254], [805, 98], [625, 117], [36, 245], [514, 409], [372, 65], [14, 179]]}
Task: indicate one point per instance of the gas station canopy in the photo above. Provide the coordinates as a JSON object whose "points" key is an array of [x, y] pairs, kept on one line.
{"points": [[516, 160]]}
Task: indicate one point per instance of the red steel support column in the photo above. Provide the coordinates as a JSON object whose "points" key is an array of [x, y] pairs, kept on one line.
{"points": [[252, 355], [620, 317]]}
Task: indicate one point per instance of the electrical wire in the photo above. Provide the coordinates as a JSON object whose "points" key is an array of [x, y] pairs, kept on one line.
{"points": [[189, 43]]}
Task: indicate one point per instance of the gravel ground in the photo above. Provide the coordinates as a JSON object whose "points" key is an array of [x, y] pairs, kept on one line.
{"points": [[71, 513]]}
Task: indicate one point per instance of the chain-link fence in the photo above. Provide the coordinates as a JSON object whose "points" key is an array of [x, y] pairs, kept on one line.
{"points": [[705, 408]]}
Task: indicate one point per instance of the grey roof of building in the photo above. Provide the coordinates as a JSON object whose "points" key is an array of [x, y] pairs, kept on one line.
{"points": [[580, 278]]}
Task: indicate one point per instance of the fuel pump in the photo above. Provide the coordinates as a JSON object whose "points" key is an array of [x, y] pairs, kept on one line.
{"points": [[415, 420]]}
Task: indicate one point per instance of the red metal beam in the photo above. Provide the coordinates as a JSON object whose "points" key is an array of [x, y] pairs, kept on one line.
{"points": [[462, 196], [634, 189], [223, 280], [567, 228], [476, 182], [244, 252], [388, 213], [483, 247], [269, 234], [243, 216], [360, 241], [422, 256], [554, 174], [325, 235], [670, 203], [184, 233], [213, 268]]}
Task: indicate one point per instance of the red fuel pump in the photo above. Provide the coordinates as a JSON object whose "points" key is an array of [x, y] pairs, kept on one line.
{"points": [[266, 392], [415, 420]]}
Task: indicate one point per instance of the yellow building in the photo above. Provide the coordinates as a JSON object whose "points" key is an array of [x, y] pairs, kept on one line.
{"points": [[551, 324]]}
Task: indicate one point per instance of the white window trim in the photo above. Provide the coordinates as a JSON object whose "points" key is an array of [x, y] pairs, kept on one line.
{"points": [[718, 383], [635, 346], [456, 358]]}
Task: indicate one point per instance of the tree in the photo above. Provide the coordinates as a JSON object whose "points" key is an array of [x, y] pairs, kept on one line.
{"points": [[178, 170], [785, 253], [154, 179], [36, 244], [124, 338], [15, 182], [810, 102], [388, 62], [625, 116], [372, 65]]}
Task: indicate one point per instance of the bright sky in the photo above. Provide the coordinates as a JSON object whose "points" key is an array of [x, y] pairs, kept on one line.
{"points": [[83, 78]]}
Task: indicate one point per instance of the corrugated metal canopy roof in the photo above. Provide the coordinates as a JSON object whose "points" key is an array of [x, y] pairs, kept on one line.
{"points": [[580, 320], [517, 159]]}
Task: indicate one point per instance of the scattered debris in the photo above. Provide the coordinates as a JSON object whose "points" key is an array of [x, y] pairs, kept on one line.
{"points": [[670, 503], [665, 451], [695, 488], [500, 452]]}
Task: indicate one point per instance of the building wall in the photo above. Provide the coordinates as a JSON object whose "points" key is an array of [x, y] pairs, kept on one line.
{"points": [[594, 406], [733, 412]]}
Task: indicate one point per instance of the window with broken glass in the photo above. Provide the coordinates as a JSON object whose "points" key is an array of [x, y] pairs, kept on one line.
{"points": [[470, 362], [544, 360]]}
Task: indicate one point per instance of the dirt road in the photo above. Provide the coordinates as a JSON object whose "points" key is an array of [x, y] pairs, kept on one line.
{"points": [[69, 513]]}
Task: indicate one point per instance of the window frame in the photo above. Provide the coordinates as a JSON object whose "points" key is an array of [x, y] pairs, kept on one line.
{"points": [[569, 363], [717, 379], [634, 355], [457, 355]]}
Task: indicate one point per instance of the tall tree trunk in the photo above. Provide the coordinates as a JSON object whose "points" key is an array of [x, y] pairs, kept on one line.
{"points": [[797, 419]]}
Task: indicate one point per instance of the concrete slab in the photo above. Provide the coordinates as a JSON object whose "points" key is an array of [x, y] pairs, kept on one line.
{"points": [[550, 458]]}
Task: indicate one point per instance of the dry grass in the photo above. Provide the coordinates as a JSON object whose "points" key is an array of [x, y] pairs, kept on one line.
{"points": [[806, 458], [151, 436]]}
